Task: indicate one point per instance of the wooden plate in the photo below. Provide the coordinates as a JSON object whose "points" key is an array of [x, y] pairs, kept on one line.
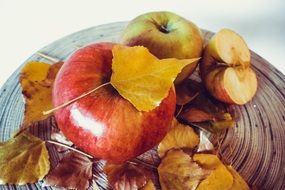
{"points": [[256, 145]]}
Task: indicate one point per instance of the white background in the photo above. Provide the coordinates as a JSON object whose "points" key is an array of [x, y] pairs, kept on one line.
{"points": [[28, 25]]}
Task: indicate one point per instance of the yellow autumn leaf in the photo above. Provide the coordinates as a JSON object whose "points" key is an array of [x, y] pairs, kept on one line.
{"points": [[23, 159], [149, 186], [36, 79], [220, 177], [141, 78], [179, 136], [178, 171], [239, 183], [209, 161]]}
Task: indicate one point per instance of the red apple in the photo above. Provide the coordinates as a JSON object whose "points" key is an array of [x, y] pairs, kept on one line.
{"points": [[104, 124]]}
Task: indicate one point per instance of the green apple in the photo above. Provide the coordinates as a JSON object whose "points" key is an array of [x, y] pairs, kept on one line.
{"points": [[166, 35]]}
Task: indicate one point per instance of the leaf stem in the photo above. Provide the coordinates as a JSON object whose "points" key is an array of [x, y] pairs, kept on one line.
{"points": [[69, 147], [135, 161], [138, 161], [52, 59], [75, 99], [180, 110]]}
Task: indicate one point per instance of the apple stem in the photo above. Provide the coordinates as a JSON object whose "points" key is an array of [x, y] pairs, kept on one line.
{"points": [[70, 148], [75, 99]]}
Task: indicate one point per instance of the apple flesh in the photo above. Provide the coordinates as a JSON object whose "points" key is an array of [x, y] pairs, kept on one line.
{"points": [[225, 68], [104, 124], [166, 35]]}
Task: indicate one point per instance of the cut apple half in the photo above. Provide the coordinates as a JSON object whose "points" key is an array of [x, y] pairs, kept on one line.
{"points": [[241, 85], [225, 68], [228, 47]]}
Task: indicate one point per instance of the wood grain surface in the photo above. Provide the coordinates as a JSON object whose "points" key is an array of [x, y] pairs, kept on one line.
{"points": [[256, 145]]}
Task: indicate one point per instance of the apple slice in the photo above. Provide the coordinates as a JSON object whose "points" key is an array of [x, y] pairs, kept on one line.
{"points": [[225, 68], [241, 85], [229, 47]]}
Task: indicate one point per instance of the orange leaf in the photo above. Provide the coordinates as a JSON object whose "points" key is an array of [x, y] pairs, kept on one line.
{"points": [[36, 79]]}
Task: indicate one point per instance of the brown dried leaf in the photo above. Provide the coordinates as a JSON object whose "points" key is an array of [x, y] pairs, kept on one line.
{"points": [[204, 111], [193, 114], [126, 176], [73, 172], [178, 171], [218, 125], [23, 159], [186, 91], [36, 80], [179, 136]]}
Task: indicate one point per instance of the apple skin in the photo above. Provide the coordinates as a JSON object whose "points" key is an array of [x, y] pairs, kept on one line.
{"points": [[166, 35], [104, 124], [212, 76]]}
